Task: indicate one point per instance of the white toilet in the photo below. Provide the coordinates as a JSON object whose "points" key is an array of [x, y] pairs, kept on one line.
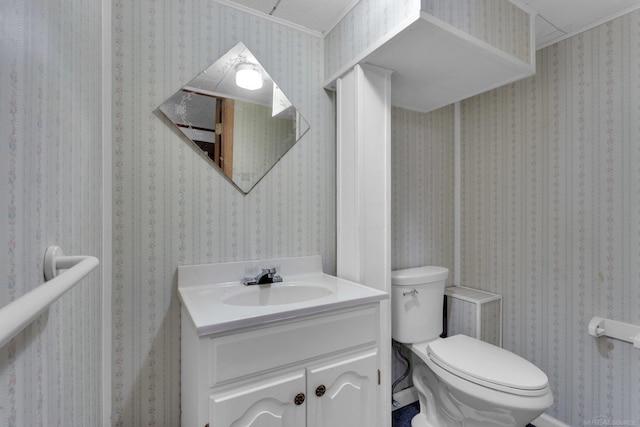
{"points": [[463, 381]]}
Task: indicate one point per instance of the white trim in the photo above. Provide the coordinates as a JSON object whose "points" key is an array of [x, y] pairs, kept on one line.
{"points": [[457, 198], [268, 17], [347, 181], [405, 397], [107, 188], [340, 17], [588, 26], [545, 420]]}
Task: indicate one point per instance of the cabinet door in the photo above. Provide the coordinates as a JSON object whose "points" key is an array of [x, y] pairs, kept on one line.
{"points": [[343, 393], [269, 402]]}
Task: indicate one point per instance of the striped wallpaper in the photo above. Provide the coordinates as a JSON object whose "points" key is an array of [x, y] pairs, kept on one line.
{"points": [[172, 208], [422, 196], [50, 194], [422, 188], [498, 23], [551, 215], [550, 208]]}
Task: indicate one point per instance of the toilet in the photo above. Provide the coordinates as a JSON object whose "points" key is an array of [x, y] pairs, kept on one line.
{"points": [[463, 381]]}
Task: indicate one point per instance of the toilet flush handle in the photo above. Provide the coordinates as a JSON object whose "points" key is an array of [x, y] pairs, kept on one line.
{"points": [[413, 292]]}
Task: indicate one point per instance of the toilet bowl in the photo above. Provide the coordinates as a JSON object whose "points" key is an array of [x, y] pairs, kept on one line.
{"points": [[462, 381]]}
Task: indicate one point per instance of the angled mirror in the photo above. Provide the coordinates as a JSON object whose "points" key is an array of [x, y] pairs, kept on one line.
{"points": [[237, 116]]}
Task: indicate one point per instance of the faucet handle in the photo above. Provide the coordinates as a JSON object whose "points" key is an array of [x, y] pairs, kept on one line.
{"points": [[272, 273]]}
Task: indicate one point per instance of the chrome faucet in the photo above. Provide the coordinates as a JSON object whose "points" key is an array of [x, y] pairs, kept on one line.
{"points": [[267, 276]]}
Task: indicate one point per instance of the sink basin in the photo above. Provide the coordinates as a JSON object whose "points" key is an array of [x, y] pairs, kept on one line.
{"points": [[276, 294], [216, 302]]}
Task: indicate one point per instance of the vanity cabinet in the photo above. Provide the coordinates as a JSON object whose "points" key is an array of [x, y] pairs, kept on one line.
{"points": [[343, 393], [273, 402], [318, 370], [332, 394]]}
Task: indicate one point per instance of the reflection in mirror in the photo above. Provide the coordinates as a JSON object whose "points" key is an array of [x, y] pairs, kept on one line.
{"points": [[237, 116]]}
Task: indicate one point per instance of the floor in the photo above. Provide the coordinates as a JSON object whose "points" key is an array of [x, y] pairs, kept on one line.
{"points": [[402, 417]]}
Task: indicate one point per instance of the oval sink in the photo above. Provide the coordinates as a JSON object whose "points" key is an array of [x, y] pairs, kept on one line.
{"points": [[276, 294]]}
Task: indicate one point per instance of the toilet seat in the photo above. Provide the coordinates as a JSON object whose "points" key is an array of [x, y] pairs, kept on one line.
{"points": [[487, 365]]}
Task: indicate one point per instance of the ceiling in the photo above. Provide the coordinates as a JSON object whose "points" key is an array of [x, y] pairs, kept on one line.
{"points": [[556, 20], [319, 16]]}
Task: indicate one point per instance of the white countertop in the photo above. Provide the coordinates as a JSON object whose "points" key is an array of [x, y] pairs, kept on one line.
{"points": [[203, 297]]}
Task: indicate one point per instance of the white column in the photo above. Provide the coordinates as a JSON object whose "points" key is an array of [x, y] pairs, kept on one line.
{"points": [[457, 246], [364, 196]]}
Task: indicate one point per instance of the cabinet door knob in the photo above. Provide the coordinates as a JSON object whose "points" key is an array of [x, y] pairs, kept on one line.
{"points": [[321, 390], [299, 399]]}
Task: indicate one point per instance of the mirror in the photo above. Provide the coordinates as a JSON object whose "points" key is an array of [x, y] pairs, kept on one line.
{"points": [[237, 116]]}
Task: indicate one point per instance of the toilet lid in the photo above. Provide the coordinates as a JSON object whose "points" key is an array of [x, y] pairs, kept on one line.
{"points": [[418, 275], [487, 365]]}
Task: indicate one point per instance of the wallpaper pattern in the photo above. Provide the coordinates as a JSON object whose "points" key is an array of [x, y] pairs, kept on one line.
{"points": [[172, 208], [422, 188], [422, 196], [551, 215], [462, 319], [50, 194], [498, 23]]}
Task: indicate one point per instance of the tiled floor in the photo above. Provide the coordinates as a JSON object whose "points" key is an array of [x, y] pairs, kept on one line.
{"points": [[402, 417]]}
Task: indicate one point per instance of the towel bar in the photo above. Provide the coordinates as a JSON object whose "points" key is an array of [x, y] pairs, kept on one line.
{"points": [[19, 313]]}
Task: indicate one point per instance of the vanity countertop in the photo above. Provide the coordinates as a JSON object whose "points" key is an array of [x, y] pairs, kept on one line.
{"points": [[216, 301]]}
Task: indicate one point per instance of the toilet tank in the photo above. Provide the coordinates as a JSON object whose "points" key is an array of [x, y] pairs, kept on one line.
{"points": [[417, 297]]}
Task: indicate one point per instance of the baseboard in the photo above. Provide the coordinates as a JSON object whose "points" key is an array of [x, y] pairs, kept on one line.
{"points": [[545, 420], [405, 397]]}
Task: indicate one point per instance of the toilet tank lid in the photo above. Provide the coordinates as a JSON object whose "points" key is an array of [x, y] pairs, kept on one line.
{"points": [[418, 275]]}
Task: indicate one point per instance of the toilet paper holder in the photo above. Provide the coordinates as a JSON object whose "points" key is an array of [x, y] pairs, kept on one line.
{"points": [[599, 326]]}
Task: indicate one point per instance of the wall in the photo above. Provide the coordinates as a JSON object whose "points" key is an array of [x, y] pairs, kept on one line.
{"points": [[259, 140], [172, 208], [551, 213], [498, 23], [422, 179], [368, 22], [422, 195], [50, 194]]}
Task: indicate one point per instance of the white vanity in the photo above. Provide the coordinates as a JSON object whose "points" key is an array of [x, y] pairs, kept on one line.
{"points": [[301, 352]]}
